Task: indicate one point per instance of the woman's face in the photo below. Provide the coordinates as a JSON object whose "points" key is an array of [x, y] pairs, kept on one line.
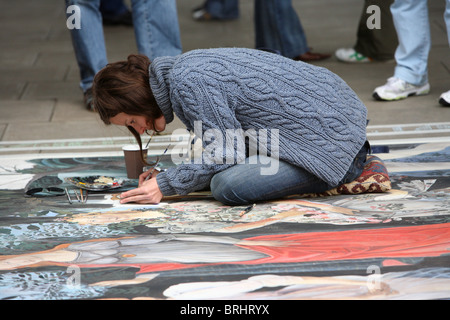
{"points": [[139, 123]]}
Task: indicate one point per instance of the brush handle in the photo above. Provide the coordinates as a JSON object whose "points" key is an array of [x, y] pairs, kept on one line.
{"points": [[157, 162]]}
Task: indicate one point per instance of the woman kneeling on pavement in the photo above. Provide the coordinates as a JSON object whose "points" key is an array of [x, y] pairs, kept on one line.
{"points": [[296, 128]]}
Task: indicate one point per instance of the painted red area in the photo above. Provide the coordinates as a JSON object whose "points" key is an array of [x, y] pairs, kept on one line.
{"points": [[393, 263], [398, 242], [415, 241]]}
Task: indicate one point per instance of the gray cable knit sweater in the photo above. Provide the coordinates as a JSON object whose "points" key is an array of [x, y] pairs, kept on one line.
{"points": [[321, 121]]}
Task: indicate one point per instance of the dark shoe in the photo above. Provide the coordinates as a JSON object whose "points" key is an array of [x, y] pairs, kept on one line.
{"points": [[125, 19], [312, 56], [88, 99]]}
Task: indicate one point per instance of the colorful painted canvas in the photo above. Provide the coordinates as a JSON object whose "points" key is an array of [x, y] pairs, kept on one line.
{"points": [[391, 245]]}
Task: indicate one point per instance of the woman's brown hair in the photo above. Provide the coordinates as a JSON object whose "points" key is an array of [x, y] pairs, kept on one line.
{"points": [[124, 87]]}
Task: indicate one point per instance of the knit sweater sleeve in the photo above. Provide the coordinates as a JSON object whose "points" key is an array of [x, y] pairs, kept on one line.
{"points": [[201, 104]]}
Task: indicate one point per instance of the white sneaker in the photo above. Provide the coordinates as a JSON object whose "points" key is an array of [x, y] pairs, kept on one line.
{"points": [[350, 55], [201, 14], [396, 89], [444, 99]]}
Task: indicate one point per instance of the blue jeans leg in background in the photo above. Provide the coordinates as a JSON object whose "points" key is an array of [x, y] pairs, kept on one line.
{"points": [[223, 9], [447, 18], [278, 27], [413, 30], [113, 8], [88, 42], [156, 27]]}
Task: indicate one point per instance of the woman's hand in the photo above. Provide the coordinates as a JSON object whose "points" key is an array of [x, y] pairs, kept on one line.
{"points": [[144, 175], [147, 192]]}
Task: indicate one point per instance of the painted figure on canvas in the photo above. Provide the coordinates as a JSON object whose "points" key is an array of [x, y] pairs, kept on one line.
{"points": [[166, 252]]}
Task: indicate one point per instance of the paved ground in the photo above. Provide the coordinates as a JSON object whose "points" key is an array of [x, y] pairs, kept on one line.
{"points": [[40, 98]]}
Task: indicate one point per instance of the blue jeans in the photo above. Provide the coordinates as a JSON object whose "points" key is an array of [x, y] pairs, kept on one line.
{"points": [[278, 27], [112, 8], [155, 25], [244, 183], [413, 30], [223, 9]]}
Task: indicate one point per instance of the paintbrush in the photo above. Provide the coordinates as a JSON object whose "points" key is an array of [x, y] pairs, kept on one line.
{"points": [[68, 196], [76, 193], [157, 162], [151, 136], [247, 210]]}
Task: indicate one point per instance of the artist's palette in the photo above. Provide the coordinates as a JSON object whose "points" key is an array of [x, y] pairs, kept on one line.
{"points": [[96, 183]]}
